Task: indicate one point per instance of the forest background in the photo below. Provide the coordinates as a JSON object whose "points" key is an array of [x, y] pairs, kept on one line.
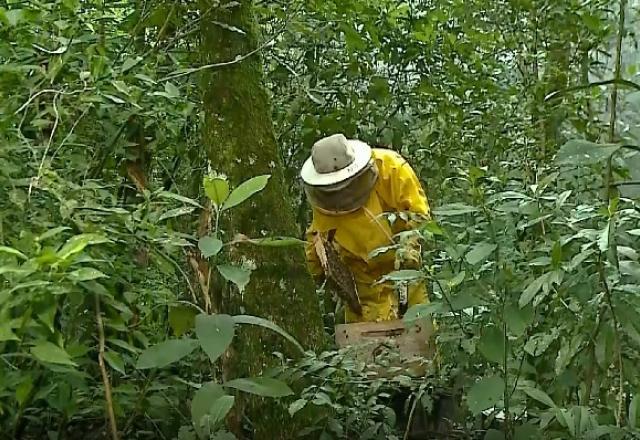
{"points": [[153, 280]]}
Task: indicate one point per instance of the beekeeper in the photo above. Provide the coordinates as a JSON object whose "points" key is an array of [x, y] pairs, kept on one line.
{"points": [[363, 199]]}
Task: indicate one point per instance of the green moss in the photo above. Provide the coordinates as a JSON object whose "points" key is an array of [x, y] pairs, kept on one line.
{"points": [[240, 142]]}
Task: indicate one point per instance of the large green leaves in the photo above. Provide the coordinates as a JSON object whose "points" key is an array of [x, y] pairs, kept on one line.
{"points": [[51, 353], [237, 275], [485, 394], [492, 344], [216, 188], [165, 353], [209, 407], [255, 320], [245, 190], [209, 246], [78, 243], [480, 252], [215, 333], [582, 152], [261, 386]]}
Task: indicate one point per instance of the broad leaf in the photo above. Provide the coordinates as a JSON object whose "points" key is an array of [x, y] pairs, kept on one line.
{"points": [[261, 386], [215, 333], [492, 344], [85, 274], [485, 394], [480, 252], [244, 191], [405, 275], [216, 188], [254, 320], [202, 403], [12, 251], [220, 409], [237, 275], [421, 311], [115, 361], [297, 406], [77, 243], [209, 246], [178, 197], [531, 290], [181, 319], [631, 268], [538, 395], [582, 152], [165, 353], [633, 411], [454, 209], [518, 319], [176, 212], [51, 353]]}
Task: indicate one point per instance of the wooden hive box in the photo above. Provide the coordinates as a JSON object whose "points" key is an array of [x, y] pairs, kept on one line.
{"points": [[411, 345]]}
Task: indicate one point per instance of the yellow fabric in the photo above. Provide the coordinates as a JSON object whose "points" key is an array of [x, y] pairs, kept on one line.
{"points": [[361, 232]]}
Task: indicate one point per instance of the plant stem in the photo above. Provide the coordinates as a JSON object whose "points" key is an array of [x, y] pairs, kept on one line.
{"points": [[103, 370]]}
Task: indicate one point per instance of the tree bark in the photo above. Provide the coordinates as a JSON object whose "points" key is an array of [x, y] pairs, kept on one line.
{"points": [[240, 141]]}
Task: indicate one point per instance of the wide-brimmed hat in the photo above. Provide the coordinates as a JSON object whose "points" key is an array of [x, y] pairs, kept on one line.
{"points": [[335, 159]]}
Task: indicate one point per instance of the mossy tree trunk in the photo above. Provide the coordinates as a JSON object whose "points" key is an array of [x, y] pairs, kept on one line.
{"points": [[240, 141]]}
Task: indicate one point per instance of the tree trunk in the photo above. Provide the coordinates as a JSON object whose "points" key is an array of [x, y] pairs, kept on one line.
{"points": [[240, 141]]}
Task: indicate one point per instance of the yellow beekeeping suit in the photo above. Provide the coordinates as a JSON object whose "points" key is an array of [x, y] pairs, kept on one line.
{"points": [[367, 229]]}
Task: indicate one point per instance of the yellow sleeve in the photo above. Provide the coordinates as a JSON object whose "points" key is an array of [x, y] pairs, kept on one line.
{"points": [[402, 190]]}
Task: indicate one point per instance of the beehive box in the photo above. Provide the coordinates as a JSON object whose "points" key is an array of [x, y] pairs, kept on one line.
{"points": [[412, 345]]}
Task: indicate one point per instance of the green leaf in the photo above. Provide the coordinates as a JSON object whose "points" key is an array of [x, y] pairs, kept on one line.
{"points": [[237, 275], [6, 331], [254, 320], [165, 353], [51, 353], [261, 386], [633, 411], [582, 152], [245, 190], [485, 394], [216, 188], [297, 406], [115, 361], [276, 241], [178, 197], [181, 319], [630, 268], [480, 252], [129, 63], [78, 243], [176, 212], [454, 209], [85, 274], [531, 290], [404, 275], [492, 344], [539, 343], [538, 395], [202, 402], [494, 434], [52, 233], [171, 90], [220, 409], [421, 311], [603, 239], [12, 251], [209, 246], [518, 319], [215, 333]]}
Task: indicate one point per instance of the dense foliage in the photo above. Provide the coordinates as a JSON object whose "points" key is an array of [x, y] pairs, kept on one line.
{"points": [[521, 117]]}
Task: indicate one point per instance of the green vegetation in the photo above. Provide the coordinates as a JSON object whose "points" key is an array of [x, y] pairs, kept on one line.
{"points": [[152, 273]]}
